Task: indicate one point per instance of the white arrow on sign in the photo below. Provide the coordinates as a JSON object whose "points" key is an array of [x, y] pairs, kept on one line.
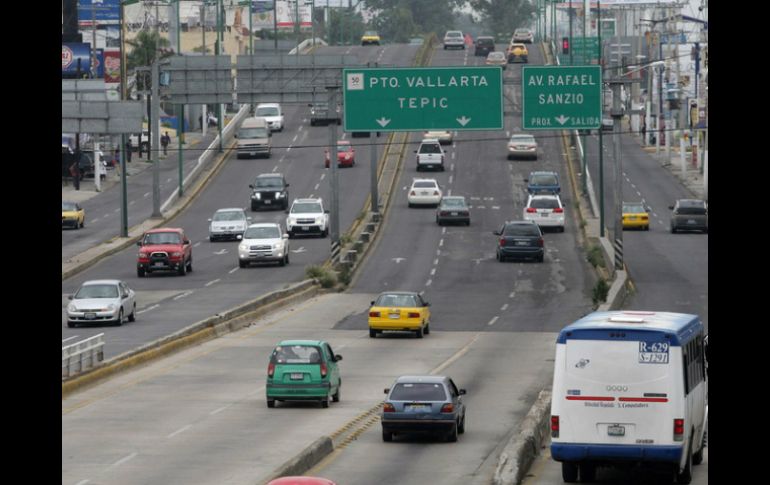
{"points": [[463, 121], [562, 119], [300, 250], [383, 122]]}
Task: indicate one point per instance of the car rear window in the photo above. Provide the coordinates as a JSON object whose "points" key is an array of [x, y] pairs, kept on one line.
{"points": [[425, 185], [397, 301], [692, 211], [543, 180], [522, 139], [418, 391], [430, 148], [544, 203], [457, 203], [521, 230], [485, 41], [296, 354]]}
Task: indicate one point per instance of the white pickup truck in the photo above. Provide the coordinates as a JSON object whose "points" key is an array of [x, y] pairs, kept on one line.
{"points": [[430, 155]]}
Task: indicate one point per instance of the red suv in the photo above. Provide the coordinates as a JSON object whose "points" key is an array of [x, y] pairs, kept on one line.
{"points": [[164, 249]]}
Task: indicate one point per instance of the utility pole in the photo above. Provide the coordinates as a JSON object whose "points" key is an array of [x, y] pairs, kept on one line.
{"points": [[334, 219], [154, 134], [617, 117]]}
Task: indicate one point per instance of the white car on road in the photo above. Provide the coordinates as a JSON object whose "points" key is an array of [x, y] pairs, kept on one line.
{"points": [[307, 216], [263, 242], [424, 192], [102, 301], [545, 211], [430, 155], [228, 224], [272, 113]]}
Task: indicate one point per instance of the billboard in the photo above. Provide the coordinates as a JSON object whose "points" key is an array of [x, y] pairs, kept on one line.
{"points": [[71, 53], [287, 12], [103, 11], [112, 66]]}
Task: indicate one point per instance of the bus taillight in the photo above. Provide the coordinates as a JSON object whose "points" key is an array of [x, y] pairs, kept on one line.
{"points": [[679, 430], [554, 426]]}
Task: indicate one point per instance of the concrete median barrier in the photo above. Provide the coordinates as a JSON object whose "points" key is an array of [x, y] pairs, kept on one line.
{"points": [[304, 461]]}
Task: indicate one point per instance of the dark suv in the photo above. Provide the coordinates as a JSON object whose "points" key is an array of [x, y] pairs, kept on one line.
{"points": [[689, 215], [269, 190], [484, 45], [520, 239]]}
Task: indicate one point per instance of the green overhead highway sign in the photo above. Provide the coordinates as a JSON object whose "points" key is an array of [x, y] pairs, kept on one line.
{"points": [[430, 98], [561, 98]]}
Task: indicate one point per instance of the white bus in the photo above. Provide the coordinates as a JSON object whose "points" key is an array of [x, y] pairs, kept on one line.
{"points": [[629, 388]]}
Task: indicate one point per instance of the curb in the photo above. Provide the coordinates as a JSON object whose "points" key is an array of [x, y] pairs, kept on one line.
{"points": [[522, 449], [207, 329], [304, 461]]}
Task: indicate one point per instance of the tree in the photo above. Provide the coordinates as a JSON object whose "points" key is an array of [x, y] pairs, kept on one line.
{"points": [[427, 15], [504, 16], [395, 25], [345, 27]]}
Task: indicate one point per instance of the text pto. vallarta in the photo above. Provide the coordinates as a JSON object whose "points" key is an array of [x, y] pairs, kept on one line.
{"points": [[386, 82]]}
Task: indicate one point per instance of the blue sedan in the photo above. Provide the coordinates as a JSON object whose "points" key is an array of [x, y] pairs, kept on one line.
{"points": [[423, 404]]}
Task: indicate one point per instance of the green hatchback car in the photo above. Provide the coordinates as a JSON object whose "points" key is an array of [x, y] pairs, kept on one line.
{"points": [[303, 370]]}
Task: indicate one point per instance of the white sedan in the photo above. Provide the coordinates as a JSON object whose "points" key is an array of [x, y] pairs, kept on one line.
{"points": [[424, 192], [102, 301], [545, 211]]}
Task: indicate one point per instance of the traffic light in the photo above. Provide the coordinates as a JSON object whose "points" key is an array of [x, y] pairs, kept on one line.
{"points": [[565, 45]]}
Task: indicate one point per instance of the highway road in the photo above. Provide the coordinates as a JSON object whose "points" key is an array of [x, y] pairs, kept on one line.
{"points": [[167, 302]]}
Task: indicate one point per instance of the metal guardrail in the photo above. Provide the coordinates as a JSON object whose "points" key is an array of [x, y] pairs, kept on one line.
{"points": [[86, 352]]}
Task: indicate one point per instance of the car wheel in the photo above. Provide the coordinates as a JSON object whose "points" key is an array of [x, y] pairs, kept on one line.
{"points": [[325, 233], [325, 403], [132, 317], [212, 238], [419, 332], [372, 333], [182, 269], [282, 262], [271, 403], [697, 458], [253, 207], [461, 428], [452, 435], [83, 224], [242, 263], [427, 329], [411, 205], [673, 230], [438, 221], [287, 257], [587, 472], [189, 265], [291, 234], [140, 272], [685, 476], [387, 435], [336, 395], [119, 321], [540, 258], [70, 324], [569, 472]]}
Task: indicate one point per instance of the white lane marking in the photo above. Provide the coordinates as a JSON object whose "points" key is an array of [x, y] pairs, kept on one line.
{"points": [[146, 195], [94, 220], [428, 282], [433, 272], [117, 210], [452, 167], [184, 295], [443, 230], [450, 178], [106, 216], [147, 309], [453, 155], [295, 138], [132, 202], [288, 149], [441, 243], [197, 244], [513, 293], [233, 270], [435, 262], [449, 192], [438, 252], [504, 307], [212, 282], [70, 338], [316, 186], [221, 252], [180, 430], [123, 460], [322, 176], [275, 168], [83, 482], [168, 180], [219, 410], [492, 322]]}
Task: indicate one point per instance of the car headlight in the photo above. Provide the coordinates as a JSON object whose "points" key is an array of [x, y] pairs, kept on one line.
{"points": [[291, 221], [244, 247], [72, 308], [278, 195], [277, 246], [144, 255], [256, 196], [176, 254], [111, 307]]}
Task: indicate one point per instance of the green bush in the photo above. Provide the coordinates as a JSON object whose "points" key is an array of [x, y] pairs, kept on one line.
{"points": [[595, 256], [328, 280], [600, 292], [345, 276], [314, 271]]}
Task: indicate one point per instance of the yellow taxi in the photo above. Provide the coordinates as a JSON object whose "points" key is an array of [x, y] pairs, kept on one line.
{"points": [[517, 52], [399, 311], [72, 215], [635, 216], [370, 37]]}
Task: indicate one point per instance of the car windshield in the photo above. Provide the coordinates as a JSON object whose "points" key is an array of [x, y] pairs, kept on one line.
{"points": [[252, 133], [267, 111], [370, 33], [321, 105], [633, 208], [229, 216], [296, 354], [543, 179], [521, 230], [522, 139], [544, 204], [344, 148], [495, 56], [452, 202], [268, 183], [262, 233], [97, 291], [162, 238], [430, 148], [392, 300], [418, 391], [306, 207], [424, 185], [68, 206]]}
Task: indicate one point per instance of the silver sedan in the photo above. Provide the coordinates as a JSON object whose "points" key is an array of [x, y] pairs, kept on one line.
{"points": [[228, 224], [522, 146], [102, 301]]}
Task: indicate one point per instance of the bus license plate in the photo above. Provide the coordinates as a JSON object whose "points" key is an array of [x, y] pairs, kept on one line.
{"points": [[616, 430]]}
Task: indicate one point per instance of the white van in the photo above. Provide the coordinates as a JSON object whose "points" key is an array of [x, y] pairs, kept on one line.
{"points": [[629, 388], [273, 113], [254, 138]]}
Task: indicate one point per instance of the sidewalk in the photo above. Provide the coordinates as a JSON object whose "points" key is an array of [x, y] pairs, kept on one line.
{"points": [[137, 165]]}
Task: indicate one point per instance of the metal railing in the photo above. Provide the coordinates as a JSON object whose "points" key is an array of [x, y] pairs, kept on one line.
{"points": [[81, 355]]}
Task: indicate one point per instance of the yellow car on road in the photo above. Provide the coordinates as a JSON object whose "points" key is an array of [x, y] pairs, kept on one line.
{"points": [[399, 311], [517, 52], [636, 216], [370, 37], [72, 215]]}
